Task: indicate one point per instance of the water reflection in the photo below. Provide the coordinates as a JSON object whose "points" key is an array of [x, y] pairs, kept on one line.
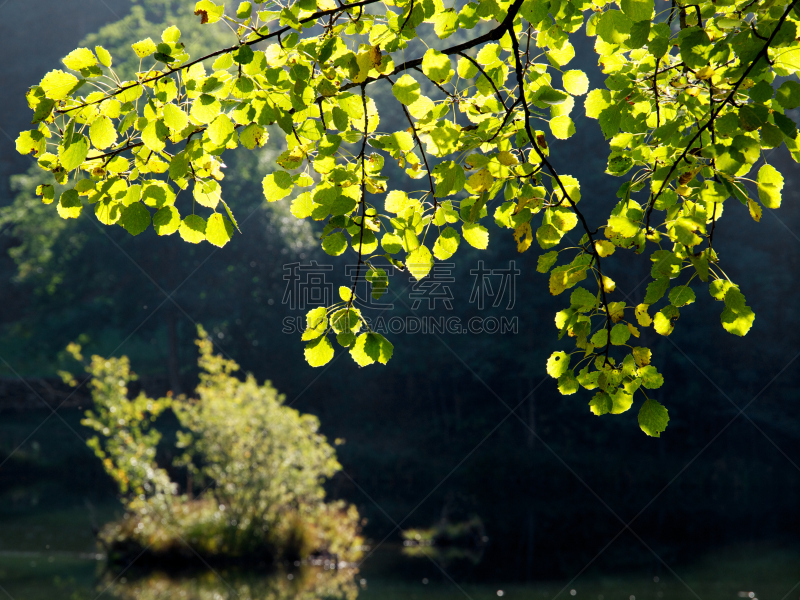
{"points": [[303, 583]]}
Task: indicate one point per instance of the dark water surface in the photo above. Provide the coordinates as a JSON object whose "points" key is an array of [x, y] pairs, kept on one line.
{"points": [[52, 556]]}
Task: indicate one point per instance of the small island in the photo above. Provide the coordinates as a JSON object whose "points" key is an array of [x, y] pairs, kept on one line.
{"points": [[255, 472]]}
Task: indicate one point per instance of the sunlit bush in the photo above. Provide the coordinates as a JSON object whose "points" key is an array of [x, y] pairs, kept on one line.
{"points": [[260, 466]]}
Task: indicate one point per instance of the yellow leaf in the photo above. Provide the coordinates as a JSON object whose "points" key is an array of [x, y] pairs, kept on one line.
{"points": [[755, 210], [558, 282], [604, 248], [507, 158], [375, 56], [608, 284], [642, 356], [480, 181], [523, 236], [641, 315], [633, 330], [616, 310], [705, 73]]}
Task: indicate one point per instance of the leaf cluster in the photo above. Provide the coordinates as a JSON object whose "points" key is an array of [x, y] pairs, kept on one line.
{"points": [[692, 98]]}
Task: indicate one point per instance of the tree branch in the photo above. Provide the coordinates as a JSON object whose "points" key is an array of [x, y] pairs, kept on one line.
{"points": [[554, 174], [259, 38]]}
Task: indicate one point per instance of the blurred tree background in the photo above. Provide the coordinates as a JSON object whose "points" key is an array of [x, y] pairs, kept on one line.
{"points": [[456, 425]]}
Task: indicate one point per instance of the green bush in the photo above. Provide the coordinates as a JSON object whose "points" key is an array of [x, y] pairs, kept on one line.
{"points": [[261, 467]]}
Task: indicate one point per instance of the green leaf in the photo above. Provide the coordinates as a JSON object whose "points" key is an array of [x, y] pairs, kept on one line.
{"points": [[78, 59], [770, 184], [575, 82], [154, 135], [788, 95], [171, 35], [346, 339], [562, 127], [488, 55], [624, 226], [614, 27], [102, 132], [253, 136], [230, 215], [367, 349], [167, 220], [219, 230], [345, 319], [103, 55], [220, 130], [449, 177], [638, 10], [391, 243], [466, 69], [108, 211], [386, 348], [476, 235], [738, 322], [47, 192], [621, 401], [73, 151], [175, 118], [244, 10], [69, 205], [57, 85], [546, 261], [681, 295], [379, 281], [31, 142], [550, 96], [601, 404], [620, 334], [653, 418], [651, 378], [749, 119], [436, 66], [157, 194], [445, 23], [364, 242], [135, 218], [319, 352], [277, 185], [205, 108], [446, 244], [316, 323], [419, 262], [567, 384], [600, 338], [207, 193], [557, 364], [582, 299], [334, 244], [193, 229], [694, 45], [406, 90]]}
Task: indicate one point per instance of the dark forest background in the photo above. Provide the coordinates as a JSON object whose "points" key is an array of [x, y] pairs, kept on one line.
{"points": [[455, 425]]}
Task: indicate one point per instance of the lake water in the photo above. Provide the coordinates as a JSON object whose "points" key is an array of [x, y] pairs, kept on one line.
{"points": [[48, 552], [50, 556]]}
